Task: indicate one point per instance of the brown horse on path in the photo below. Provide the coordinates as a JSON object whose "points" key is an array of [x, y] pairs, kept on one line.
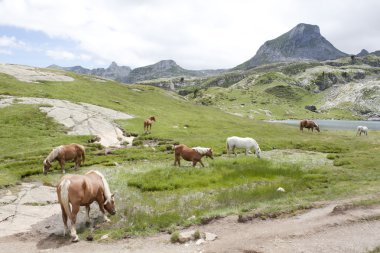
{"points": [[309, 124], [191, 154], [71, 152], [82, 190], [148, 123]]}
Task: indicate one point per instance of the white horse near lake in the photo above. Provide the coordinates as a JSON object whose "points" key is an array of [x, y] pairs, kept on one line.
{"points": [[240, 142], [362, 130]]}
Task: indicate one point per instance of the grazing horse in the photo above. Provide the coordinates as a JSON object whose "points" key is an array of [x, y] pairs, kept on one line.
{"points": [[239, 142], [308, 124], [71, 152], [362, 130], [82, 190], [191, 154], [148, 123]]}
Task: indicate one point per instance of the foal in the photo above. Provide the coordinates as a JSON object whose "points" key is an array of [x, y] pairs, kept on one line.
{"points": [[191, 154], [148, 123]]}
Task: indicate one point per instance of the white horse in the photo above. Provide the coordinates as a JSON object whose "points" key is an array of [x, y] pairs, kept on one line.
{"points": [[362, 130], [239, 142]]}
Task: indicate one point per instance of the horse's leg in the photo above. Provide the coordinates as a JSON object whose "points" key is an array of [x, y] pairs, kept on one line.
{"points": [[233, 150], [62, 163], [194, 163], [87, 214], [73, 218], [64, 218], [101, 207], [246, 151], [200, 161]]}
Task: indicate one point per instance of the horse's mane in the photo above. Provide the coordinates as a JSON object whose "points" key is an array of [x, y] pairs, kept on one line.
{"points": [[53, 154], [107, 192], [201, 150]]}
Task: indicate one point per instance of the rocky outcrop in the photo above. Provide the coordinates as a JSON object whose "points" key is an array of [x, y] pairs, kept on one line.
{"points": [[303, 42]]}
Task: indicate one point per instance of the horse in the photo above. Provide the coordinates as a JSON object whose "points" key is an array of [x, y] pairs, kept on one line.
{"points": [[362, 130], [239, 142], [82, 190], [148, 123], [71, 152], [308, 124], [191, 154]]}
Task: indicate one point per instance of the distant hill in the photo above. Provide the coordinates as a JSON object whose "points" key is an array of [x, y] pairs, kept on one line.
{"points": [[303, 42], [161, 69], [113, 72]]}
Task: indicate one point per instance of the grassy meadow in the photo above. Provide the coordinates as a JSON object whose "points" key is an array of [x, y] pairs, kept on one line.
{"points": [[152, 194]]}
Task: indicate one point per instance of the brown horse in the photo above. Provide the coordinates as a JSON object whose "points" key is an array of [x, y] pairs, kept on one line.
{"points": [[82, 190], [191, 154], [308, 124], [148, 123], [72, 152]]}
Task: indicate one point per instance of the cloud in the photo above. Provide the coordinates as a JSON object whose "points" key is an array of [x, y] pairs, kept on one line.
{"points": [[66, 55], [11, 42], [195, 33]]}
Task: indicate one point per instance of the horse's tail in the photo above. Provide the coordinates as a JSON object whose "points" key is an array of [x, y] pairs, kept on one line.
{"points": [[65, 196]]}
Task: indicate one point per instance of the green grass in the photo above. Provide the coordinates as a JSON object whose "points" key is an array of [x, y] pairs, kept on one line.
{"points": [[152, 195]]}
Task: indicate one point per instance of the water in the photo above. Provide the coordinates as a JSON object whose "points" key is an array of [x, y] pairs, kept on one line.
{"points": [[335, 124]]}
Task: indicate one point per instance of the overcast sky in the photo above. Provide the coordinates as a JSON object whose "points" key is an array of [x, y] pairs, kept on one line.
{"points": [[197, 34]]}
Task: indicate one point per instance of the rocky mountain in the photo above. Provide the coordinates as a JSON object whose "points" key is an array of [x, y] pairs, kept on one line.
{"points": [[161, 69], [303, 42], [363, 53], [114, 72]]}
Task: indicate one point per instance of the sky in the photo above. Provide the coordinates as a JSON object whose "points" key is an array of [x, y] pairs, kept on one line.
{"points": [[197, 34]]}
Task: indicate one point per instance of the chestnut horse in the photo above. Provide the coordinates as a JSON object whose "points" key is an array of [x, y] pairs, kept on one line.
{"points": [[148, 123], [71, 152], [191, 154], [308, 124], [82, 190]]}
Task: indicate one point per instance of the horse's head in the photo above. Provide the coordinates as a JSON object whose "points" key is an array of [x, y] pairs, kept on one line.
{"points": [[258, 152], [209, 153], [317, 128], [153, 118], [46, 166], [109, 205]]}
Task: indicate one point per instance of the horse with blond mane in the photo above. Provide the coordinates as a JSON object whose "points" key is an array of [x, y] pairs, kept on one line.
{"points": [[309, 124], [191, 154], [148, 123], [71, 152], [82, 190], [238, 142]]}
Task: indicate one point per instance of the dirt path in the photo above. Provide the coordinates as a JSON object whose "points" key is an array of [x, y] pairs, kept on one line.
{"points": [[30, 221]]}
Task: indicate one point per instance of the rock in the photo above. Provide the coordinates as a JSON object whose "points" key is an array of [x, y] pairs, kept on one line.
{"points": [[280, 189], [90, 238], [210, 236], [104, 237], [200, 241], [312, 108]]}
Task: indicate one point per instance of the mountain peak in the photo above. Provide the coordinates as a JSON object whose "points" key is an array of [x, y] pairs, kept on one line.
{"points": [[303, 42]]}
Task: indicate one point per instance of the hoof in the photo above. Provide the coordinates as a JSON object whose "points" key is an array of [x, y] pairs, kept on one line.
{"points": [[75, 239]]}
